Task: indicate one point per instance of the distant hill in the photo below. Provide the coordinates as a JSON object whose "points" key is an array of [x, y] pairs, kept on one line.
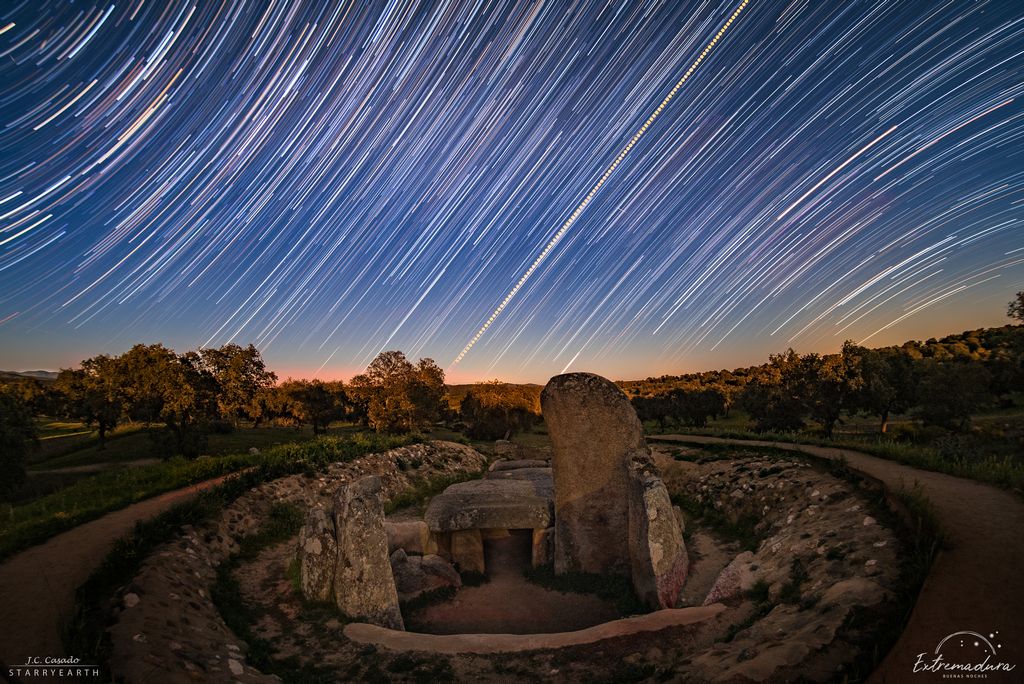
{"points": [[43, 375]]}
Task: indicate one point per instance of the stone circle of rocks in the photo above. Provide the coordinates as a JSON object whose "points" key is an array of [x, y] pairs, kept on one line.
{"points": [[166, 627]]}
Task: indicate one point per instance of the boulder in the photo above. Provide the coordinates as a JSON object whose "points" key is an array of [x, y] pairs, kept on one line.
{"points": [[735, 580], [364, 586], [657, 553], [318, 556], [412, 536], [492, 503], [595, 435], [415, 575]]}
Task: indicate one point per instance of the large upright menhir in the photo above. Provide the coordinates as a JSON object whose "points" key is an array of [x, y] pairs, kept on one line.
{"points": [[613, 514], [595, 433]]}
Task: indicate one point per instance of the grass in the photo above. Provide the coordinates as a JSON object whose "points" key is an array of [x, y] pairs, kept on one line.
{"points": [[615, 588], [739, 526], [85, 634], [89, 498], [133, 446], [424, 489]]}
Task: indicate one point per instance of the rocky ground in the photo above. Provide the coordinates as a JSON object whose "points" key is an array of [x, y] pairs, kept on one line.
{"points": [[803, 559]]}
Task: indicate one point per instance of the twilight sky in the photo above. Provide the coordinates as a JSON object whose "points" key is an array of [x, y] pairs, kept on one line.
{"points": [[331, 179]]}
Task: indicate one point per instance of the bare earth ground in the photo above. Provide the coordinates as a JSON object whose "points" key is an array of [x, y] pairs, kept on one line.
{"points": [[37, 586], [975, 584], [508, 604]]}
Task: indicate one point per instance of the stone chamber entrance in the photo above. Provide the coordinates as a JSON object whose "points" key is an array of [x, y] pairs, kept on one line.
{"points": [[508, 603]]}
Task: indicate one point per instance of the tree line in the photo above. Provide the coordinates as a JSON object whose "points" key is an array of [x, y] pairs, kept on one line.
{"points": [[938, 382]]}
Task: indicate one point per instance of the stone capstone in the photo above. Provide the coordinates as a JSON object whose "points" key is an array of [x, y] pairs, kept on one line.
{"points": [[318, 556], [595, 434], [363, 584], [498, 503]]}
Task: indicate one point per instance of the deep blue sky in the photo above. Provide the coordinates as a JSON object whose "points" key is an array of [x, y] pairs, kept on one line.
{"points": [[329, 180]]}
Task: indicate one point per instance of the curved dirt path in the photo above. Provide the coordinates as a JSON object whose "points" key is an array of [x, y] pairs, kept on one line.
{"points": [[974, 585], [37, 586]]}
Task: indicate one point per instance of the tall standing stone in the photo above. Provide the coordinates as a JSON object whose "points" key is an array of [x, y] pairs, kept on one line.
{"points": [[364, 586], [657, 552], [318, 556], [595, 434]]}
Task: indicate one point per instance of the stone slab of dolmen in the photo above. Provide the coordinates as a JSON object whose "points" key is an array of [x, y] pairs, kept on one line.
{"points": [[612, 512], [467, 513], [522, 463], [658, 558], [492, 503], [363, 584], [318, 556], [344, 556]]}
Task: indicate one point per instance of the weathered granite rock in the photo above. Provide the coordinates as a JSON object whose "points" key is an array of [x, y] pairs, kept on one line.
{"points": [[735, 580], [467, 549], [595, 434], [318, 556], [415, 575], [412, 536], [363, 584], [521, 503], [543, 547], [656, 550]]}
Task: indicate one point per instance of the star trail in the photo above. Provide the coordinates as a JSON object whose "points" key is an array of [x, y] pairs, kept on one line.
{"points": [[329, 180]]}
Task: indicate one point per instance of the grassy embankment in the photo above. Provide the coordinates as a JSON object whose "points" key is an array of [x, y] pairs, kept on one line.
{"points": [[990, 452], [35, 521]]}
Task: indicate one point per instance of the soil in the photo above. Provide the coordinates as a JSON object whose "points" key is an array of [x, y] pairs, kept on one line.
{"points": [[508, 603]]}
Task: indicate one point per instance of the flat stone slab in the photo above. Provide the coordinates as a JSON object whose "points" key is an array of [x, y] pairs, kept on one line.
{"points": [[395, 640], [521, 463], [541, 476], [526, 502]]}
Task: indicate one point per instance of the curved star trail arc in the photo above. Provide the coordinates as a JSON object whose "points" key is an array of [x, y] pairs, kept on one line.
{"points": [[328, 179]]}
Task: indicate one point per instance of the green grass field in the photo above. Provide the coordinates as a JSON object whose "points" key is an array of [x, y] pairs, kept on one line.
{"points": [[90, 497]]}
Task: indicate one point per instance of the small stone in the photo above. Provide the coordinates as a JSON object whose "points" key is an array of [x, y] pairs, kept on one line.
{"points": [[868, 521], [131, 600], [236, 667]]}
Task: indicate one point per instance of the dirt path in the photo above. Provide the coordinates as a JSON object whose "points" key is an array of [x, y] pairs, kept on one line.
{"points": [[974, 585], [37, 586]]}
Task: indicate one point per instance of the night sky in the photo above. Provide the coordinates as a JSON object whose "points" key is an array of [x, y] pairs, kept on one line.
{"points": [[331, 180]]}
